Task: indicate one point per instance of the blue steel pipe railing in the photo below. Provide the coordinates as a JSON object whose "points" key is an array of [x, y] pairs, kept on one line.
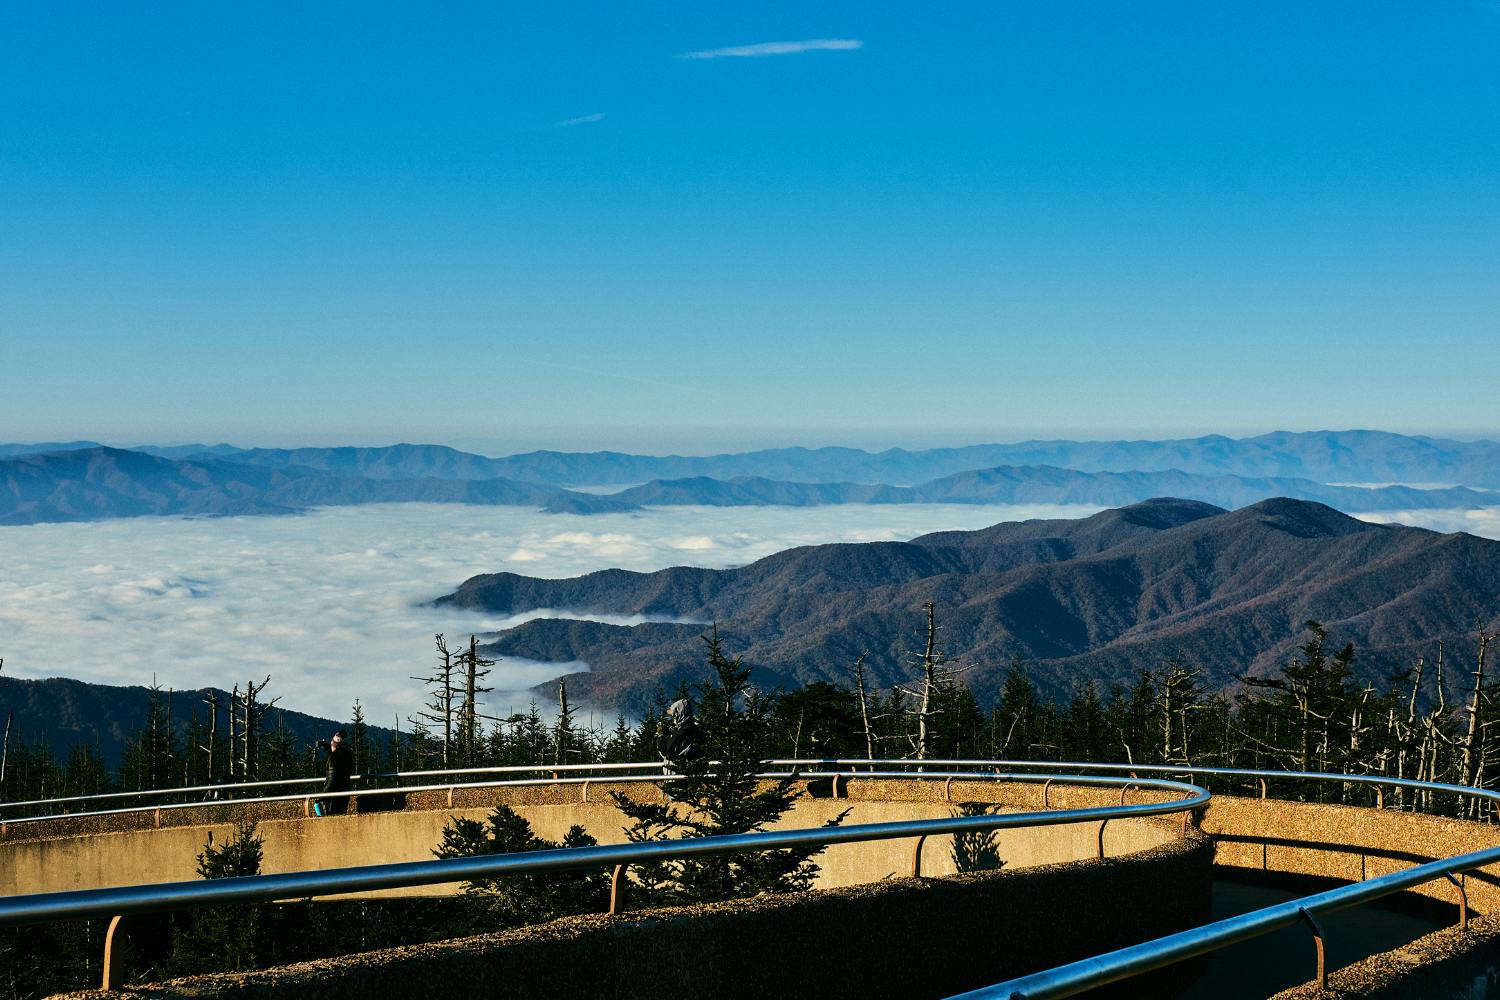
{"points": [[1076, 977], [219, 789], [155, 793], [589, 772], [86, 903], [1149, 956]]}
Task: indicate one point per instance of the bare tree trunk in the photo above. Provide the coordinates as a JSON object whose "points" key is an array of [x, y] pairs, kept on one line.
{"points": [[5, 746], [864, 706], [234, 737], [470, 716], [929, 676], [563, 718], [213, 734]]}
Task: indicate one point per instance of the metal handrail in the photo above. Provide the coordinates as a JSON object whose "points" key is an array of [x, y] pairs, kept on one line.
{"points": [[148, 793], [84, 903], [552, 769], [1149, 956], [277, 782], [534, 782]]}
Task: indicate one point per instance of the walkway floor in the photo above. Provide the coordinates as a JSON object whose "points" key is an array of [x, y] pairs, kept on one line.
{"points": [[1257, 969]]}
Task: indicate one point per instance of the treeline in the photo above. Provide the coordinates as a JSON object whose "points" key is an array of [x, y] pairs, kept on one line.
{"points": [[1432, 721]]}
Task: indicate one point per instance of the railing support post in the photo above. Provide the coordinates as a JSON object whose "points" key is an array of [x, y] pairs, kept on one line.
{"points": [[585, 790], [1317, 933], [1124, 791], [916, 857], [948, 789], [836, 778], [1262, 786], [1463, 899], [114, 966], [1046, 787], [617, 884]]}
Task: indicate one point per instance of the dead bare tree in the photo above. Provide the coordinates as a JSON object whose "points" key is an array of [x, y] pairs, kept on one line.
{"points": [[864, 706], [937, 672], [249, 711], [212, 701], [439, 711], [475, 668]]}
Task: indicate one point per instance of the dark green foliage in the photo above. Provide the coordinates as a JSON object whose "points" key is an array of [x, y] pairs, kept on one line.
{"points": [[738, 727], [222, 937], [524, 899], [240, 855], [153, 759], [820, 720], [359, 741]]}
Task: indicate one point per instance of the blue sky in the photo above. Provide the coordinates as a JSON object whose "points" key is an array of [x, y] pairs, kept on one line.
{"points": [[512, 225]]}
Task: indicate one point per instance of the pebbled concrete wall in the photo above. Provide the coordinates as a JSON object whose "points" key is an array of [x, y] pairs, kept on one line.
{"points": [[1348, 842], [127, 850]]}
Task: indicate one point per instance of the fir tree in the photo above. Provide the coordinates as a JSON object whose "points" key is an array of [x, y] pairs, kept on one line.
{"points": [[359, 741], [221, 937], [524, 899], [723, 797]]}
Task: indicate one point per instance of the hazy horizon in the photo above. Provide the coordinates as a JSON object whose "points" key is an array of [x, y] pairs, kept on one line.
{"points": [[695, 445]]}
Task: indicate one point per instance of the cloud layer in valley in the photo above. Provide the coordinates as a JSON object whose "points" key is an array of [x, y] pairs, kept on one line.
{"points": [[330, 603]]}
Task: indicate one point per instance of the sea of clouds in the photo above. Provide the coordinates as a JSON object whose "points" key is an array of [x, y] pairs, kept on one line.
{"points": [[332, 604]]}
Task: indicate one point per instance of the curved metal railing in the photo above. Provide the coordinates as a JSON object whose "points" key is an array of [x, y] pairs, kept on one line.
{"points": [[120, 901], [238, 786], [1149, 956], [1063, 981], [296, 885], [830, 767]]}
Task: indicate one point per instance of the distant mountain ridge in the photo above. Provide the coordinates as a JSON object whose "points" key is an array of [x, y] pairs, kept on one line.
{"points": [[1032, 485], [1101, 597], [1353, 456], [63, 713], [1350, 456], [99, 482]]}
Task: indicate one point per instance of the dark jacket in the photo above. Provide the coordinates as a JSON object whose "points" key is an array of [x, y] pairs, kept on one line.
{"points": [[340, 769], [679, 739]]}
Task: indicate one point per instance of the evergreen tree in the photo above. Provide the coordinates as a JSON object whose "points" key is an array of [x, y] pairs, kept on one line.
{"points": [[1303, 709], [820, 720], [359, 741], [723, 797], [85, 773], [524, 899], [622, 745], [151, 758], [221, 937]]}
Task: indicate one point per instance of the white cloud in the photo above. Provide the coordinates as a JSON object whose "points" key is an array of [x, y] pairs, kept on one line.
{"points": [[1484, 522], [762, 49], [329, 603], [580, 120]]}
